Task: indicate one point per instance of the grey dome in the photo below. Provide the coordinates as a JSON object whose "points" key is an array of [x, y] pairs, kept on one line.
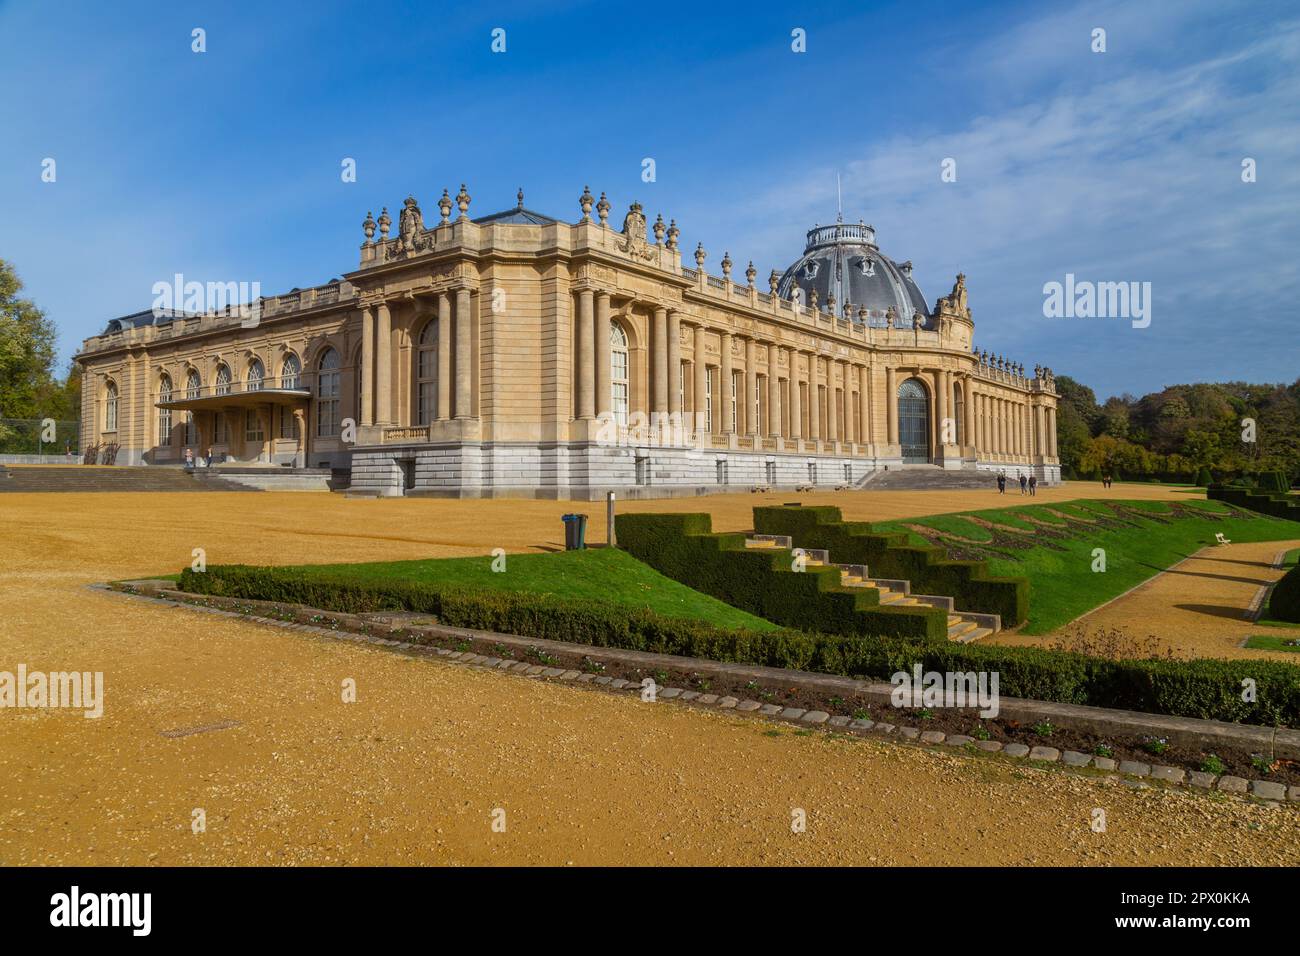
{"points": [[843, 260]]}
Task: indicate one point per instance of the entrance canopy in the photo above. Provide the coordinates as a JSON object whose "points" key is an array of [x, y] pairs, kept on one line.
{"points": [[239, 399]]}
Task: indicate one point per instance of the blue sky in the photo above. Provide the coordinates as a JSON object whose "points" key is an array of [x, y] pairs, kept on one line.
{"points": [[1115, 166]]}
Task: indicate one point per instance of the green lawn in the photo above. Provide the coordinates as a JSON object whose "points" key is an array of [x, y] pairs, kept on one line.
{"points": [[603, 574], [1058, 559], [1269, 642]]}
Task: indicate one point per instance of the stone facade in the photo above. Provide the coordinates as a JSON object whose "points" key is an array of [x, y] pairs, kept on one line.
{"points": [[519, 355]]}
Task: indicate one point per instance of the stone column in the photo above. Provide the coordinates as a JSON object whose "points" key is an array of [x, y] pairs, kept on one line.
{"points": [[751, 387], [367, 366], [444, 357], [701, 386], [832, 404], [1038, 431], [464, 356], [943, 389], [659, 373], [891, 403], [773, 393], [1004, 433], [864, 406], [1051, 430], [968, 394], [724, 384], [604, 357], [383, 365], [300, 426], [675, 364], [814, 398], [796, 401], [584, 360]]}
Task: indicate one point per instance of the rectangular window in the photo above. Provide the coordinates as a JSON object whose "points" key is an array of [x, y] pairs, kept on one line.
{"points": [[327, 403], [708, 400], [722, 471], [735, 390], [288, 422], [253, 426]]}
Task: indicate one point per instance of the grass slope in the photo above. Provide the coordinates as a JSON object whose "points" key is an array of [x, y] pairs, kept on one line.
{"points": [[1140, 539], [603, 574]]}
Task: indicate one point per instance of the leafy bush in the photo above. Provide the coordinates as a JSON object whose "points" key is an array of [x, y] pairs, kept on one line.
{"points": [[1203, 478], [889, 555], [1284, 603], [1207, 689]]}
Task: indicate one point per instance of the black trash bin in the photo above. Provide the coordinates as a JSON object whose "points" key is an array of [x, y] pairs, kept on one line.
{"points": [[575, 532]]}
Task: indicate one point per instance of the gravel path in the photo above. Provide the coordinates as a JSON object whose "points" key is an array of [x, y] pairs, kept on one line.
{"points": [[413, 770]]}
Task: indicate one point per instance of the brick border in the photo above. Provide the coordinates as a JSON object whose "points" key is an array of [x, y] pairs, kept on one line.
{"points": [[1267, 790]]}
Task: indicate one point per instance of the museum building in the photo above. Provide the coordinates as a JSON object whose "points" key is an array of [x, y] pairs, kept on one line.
{"points": [[519, 355]]}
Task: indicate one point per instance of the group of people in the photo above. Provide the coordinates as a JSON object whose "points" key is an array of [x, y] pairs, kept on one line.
{"points": [[191, 462], [1028, 486]]}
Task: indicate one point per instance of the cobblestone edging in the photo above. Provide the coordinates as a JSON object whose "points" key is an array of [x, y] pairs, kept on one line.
{"points": [[1131, 773]]}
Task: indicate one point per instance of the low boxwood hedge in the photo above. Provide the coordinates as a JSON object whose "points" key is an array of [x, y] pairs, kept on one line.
{"points": [[1284, 602], [763, 582], [969, 583], [1274, 504], [1206, 689]]}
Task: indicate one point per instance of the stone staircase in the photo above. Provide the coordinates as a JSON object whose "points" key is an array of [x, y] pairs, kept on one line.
{"points": [[963, 626], [38, 478]]}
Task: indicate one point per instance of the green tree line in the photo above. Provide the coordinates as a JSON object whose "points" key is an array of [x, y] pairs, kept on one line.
{"points": [[30, 388], [1193, 432]]}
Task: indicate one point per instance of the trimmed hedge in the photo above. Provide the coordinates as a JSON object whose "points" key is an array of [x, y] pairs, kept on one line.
{"points": [[889, 555], [1284, 602], [1205, 689], [1273, 504], [762, 582]]}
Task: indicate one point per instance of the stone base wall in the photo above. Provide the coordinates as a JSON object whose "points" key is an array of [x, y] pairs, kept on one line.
{"points": [[586, 472]]}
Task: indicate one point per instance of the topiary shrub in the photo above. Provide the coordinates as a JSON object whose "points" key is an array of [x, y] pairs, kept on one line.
{"points": [[1203, 477], [969, 583], [764, 582], [1284, 603]]}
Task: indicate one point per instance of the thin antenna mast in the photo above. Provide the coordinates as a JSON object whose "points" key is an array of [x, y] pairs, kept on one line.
{"points": [[839, 200]]}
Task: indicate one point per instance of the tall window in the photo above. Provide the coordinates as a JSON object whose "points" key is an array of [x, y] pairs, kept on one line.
{"points": [[220, 428], [327, 394], [193, 385], [618, 377], [682, 374], [110, 407], [958, 416], [253, 426], [288, 422], [736, 389], [708, 400], [290, 371], [164, 414], [426, 374], [223, 380], [758, 407], [256, 375]]}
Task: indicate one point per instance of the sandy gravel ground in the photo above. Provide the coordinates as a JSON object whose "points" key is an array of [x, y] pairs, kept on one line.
{"points": [[1195, 609], [413, 770]]}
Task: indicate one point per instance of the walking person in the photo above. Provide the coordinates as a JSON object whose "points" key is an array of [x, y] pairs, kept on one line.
{"points": [[1024, 483], [209, 456], [1033, 485], [1002, 483], [189, 459]]}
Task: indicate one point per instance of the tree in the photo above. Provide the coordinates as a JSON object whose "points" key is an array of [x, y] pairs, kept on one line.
{"points": [[27, 352]]}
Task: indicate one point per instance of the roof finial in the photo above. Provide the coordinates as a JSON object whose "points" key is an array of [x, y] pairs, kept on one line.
{"points": [[520, 196], [839, 200]]}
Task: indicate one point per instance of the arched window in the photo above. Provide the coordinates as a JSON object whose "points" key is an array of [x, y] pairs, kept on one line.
{"points": [[164, 414], [290, 371], [618, 372], [256, 375], [426, 374], [110, 407], [193, 386], [327, 394], [223, 379], [914, 421]]}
